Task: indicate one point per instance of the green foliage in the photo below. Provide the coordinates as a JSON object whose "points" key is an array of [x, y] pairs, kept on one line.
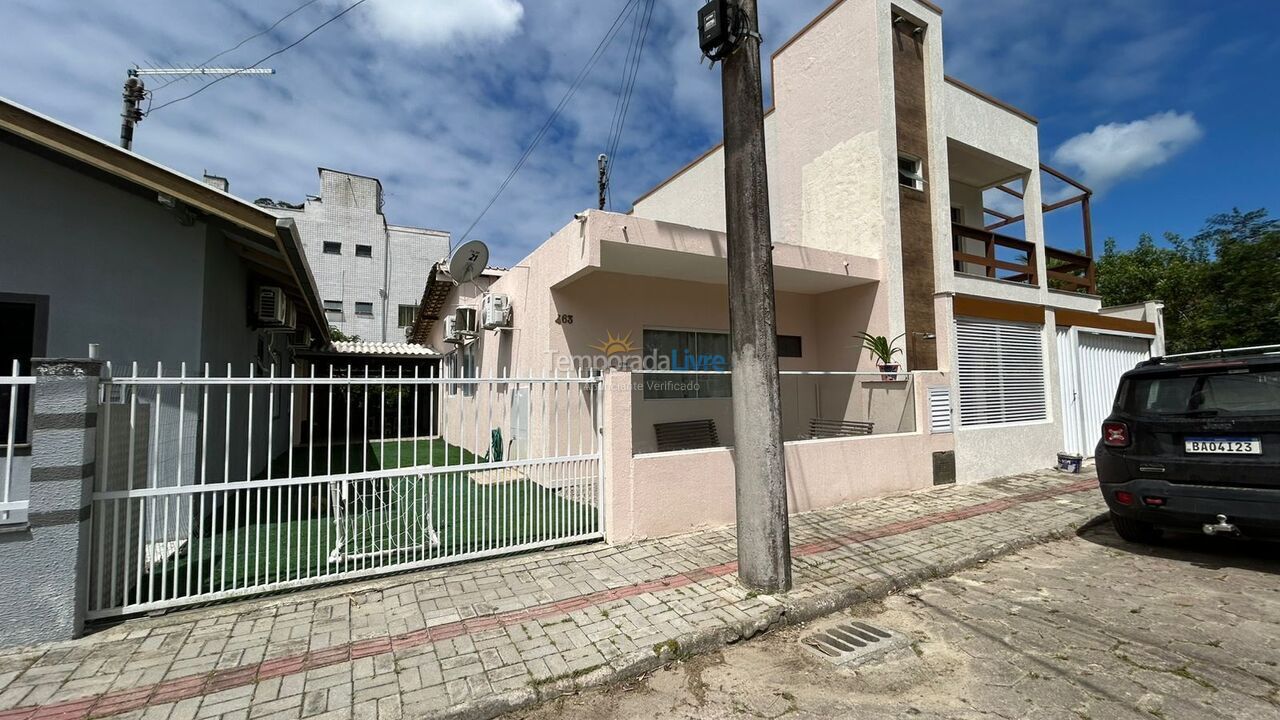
{"points": [[1220, 287], [881, 348], [339, 336]]}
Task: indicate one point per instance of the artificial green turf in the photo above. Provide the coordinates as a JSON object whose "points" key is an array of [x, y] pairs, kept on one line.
{"points": [[286, 533]]}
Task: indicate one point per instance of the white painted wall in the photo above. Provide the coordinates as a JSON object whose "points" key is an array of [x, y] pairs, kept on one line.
{"points": [[349, 211]]}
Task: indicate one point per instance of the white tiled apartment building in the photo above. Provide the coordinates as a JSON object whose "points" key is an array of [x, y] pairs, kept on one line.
{"points": [[369, 272]]}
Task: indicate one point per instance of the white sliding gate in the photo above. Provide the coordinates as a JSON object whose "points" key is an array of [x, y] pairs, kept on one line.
{"points": [[211, 487], [1090, 364]]}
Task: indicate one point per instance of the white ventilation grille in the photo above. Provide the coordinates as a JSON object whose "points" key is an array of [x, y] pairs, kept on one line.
{"points": [[939, 409], [1001, 372]]}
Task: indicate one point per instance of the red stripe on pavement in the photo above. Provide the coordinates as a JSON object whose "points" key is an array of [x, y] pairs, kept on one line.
{"points": [[123, 701]]}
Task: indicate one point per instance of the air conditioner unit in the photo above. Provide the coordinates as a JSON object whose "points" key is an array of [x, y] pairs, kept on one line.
{"points": [[497, 311], [301, 337], [451, 334], [272, 308], [290, 315], [464, 320]]}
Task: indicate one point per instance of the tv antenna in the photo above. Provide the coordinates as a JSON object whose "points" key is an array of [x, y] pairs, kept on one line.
{"points": [[135, 91]]}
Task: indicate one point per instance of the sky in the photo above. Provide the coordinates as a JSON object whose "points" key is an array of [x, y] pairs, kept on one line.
{"points": [[1167, 108]]}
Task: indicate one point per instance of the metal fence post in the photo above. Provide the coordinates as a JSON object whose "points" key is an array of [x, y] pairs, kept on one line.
{"points": [[47, 561]]}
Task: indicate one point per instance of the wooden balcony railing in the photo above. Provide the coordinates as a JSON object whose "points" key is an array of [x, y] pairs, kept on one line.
{"points": [[1066, 270], [1070, 271], [1024, 270]]}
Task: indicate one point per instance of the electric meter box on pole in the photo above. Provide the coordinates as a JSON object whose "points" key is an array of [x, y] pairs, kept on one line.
{"points": [[713, 26]]}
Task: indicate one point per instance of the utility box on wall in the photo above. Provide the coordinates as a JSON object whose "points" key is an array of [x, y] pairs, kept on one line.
{"points": [[944, 467]]}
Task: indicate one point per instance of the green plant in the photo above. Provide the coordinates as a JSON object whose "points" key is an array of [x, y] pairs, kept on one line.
{"points": [[881, 348]]}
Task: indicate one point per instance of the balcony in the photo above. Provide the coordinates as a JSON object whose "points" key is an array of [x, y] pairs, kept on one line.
{"points": [[986, 253], [979, 180]]}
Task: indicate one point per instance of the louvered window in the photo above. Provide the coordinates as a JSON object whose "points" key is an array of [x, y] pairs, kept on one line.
{"points": [[1001, 372], [940, 409]]}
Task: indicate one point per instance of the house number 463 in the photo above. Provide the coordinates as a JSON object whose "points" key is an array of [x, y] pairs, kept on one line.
{"points": [[563, 319]]}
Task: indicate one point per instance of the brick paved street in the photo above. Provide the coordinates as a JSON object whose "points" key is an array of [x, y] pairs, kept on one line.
{"points": [[479, 639], [1090, 627]]}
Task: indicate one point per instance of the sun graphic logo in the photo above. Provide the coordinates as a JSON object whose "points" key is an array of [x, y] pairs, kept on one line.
{"points": [[615, 345]]}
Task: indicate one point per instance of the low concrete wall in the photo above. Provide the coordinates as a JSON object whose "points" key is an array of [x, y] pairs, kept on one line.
{"points": [[662, 494]]}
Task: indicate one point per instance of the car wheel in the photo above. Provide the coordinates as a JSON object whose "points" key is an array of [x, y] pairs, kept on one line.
{"points": [[1134, 531]]}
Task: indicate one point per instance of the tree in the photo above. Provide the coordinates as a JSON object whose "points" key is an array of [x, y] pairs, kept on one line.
{"points": [[339, 336], [1220, 287]]}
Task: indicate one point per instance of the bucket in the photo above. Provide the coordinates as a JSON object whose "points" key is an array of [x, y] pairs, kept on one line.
{"points": [[1069, 463]]}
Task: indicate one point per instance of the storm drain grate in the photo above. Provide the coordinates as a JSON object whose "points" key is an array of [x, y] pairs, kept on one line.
{"points": [[852, 643]]}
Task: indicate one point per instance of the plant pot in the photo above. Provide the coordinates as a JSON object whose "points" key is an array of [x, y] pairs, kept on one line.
{"points": [[889, 372]]}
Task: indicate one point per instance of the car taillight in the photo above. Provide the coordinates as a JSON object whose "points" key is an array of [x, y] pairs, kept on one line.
{"points": [[1115, 434], [1124, 497]]}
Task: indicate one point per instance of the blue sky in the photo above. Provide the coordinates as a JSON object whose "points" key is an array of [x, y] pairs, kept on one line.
{"points": [[1167, 107]]}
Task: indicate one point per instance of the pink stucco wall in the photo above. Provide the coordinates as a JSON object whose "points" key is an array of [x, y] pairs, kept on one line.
{"points": [[655, 495]]}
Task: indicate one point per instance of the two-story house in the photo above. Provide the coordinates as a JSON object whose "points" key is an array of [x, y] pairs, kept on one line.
{"points": [[878, 164]]}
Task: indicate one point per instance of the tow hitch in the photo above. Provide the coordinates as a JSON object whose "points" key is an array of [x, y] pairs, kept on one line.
{"points": [[1222, 526]]}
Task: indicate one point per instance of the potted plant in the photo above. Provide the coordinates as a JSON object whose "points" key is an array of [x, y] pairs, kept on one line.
{"points": [[882, 349]]}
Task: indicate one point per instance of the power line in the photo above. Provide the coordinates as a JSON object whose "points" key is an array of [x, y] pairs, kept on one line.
{"points": [[642, 32], [241, 44], [284, 49], [555, 114]]}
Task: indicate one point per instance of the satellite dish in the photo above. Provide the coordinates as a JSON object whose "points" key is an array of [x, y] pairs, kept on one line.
{"points": [[468, 261]]}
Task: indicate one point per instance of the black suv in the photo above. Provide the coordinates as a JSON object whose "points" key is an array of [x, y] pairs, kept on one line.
{"points": [[1193, 443]]}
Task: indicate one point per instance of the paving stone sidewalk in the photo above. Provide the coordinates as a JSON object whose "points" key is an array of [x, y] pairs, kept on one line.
{"points": [[479, 639]]}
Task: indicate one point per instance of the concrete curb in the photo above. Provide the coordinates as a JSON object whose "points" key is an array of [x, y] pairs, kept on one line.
{"points": [[633, 665]]}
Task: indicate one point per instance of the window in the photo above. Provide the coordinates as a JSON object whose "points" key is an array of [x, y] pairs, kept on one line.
{"points": [[687, 350], [25, 321], [364, 309], [332, 248], [939, 409], [461, 363], [910, 172], [407, 314], [1239, 391], [364, 251], [333, 310], [789, 346], [1000, 368]]}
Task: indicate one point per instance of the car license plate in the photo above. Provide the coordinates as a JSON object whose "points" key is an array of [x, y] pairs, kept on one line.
{"points": [[1224, 445]]}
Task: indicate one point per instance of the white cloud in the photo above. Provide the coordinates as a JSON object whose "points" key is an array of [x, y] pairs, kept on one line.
{"points": [[1114, 152], [440, 22]]}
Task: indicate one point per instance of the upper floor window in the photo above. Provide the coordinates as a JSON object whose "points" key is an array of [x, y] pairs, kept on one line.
{"points": [[910, 172], [364, 251], [364, 309], [333, 309], [407, 314], [332, 248]]}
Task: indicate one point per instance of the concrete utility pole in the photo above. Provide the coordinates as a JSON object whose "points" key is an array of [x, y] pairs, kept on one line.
{"points": [[133, 94], [764, 542], [602, 180]]}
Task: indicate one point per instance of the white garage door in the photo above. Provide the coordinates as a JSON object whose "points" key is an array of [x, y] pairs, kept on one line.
{"points": [[1090, 366]]}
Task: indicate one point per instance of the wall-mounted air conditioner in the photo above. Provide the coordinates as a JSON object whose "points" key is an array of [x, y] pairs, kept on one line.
{"points": [[451, 334], [497, 311], [272, 307], [464, 320]]}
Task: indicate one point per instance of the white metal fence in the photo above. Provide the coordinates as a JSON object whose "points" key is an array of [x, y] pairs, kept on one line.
{"points": [[218, 485], [15, 392]]}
